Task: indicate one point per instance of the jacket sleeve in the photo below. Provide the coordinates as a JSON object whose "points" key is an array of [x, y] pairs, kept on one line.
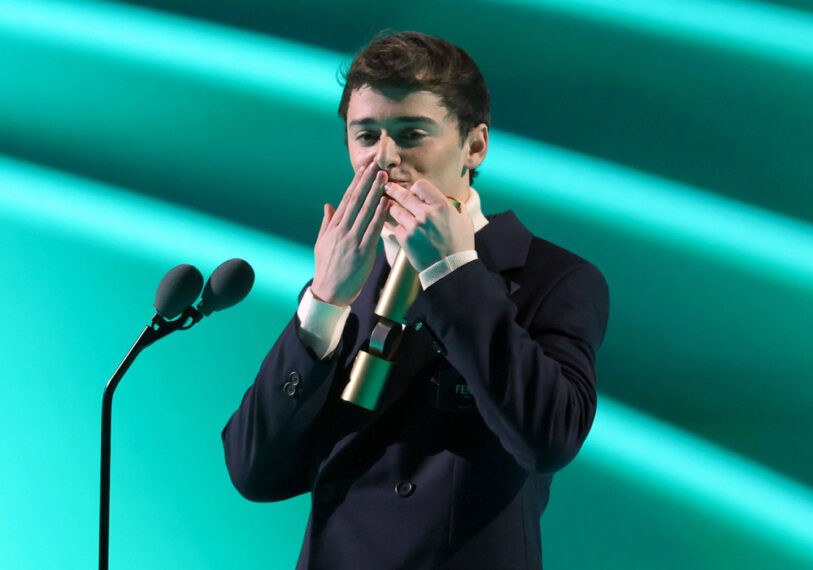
{"points": [[266, 439], [533, 384]]}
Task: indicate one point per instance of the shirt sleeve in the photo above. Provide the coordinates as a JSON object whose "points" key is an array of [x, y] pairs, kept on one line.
{"points": [[320, 324], [445, 266]]}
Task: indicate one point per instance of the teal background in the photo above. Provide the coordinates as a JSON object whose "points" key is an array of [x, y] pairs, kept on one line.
{"points": [[669, 143]]}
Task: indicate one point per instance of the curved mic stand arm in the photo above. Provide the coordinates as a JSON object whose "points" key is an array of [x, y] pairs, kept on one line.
{"points": [[157, 329]]}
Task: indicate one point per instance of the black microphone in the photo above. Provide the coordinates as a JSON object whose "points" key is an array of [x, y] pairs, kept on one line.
{"points": [[178, 289], [228, 285]]}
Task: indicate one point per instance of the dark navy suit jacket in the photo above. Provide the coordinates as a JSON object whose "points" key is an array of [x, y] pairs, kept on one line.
{"points": [[493, 391]]}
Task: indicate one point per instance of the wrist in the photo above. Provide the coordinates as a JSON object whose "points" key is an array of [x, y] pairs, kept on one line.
{"points": [[326, 298]]}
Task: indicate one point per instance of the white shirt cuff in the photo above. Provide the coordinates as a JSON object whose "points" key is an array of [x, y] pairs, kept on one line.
{"points": [[320, 324], [445, 266]]}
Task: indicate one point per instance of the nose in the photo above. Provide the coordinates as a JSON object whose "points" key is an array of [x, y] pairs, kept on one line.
{"points": [[387, 152]]}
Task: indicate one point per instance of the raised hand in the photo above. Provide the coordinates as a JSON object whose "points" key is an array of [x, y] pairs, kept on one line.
{"points": [[429, 227], [346, 246]]}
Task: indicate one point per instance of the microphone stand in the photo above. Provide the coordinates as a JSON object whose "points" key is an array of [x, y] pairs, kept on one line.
{"points": [[157, 329]]}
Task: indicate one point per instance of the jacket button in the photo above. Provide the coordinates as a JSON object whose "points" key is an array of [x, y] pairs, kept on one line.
{"points": [[326, 493], [294, 378], [289, 389], [405, 488]]}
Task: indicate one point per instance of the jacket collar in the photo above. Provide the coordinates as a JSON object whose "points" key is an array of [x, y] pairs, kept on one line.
{"points": [[503, 244]]}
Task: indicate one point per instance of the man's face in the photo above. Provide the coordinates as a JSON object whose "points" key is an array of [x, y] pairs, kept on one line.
{"points": [[411, 135]]}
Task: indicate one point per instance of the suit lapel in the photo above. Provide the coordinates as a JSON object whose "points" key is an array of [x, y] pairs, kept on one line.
{"points": [[503, 243]]}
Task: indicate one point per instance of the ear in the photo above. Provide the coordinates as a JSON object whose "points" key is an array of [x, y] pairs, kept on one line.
{"points": [[476, 146]]}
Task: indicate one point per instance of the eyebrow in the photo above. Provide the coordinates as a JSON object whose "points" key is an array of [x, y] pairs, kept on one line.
{"points": [[401, 119]]}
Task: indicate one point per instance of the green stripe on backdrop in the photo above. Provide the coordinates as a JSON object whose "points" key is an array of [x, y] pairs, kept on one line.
{"points": [[744, 494], [652, 208], [760, 28], [745, 499], [179, 45], [130, 222]]}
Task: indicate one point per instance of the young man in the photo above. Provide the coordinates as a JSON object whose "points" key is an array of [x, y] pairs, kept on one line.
{"points": [[493, 387]]}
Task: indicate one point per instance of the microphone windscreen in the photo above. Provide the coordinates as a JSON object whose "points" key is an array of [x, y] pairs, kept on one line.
{"points": [[178, 289], [228, 285]]}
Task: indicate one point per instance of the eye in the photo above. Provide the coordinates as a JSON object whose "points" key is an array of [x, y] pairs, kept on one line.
{"points": [[366, 137], [410, 137]]}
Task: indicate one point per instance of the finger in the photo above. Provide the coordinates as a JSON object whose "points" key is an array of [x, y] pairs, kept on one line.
{"points": [[428, 193], [404, 217], [354, 200], [328, 214], [371, 181], [373, 231], [405, 198], [342, 203], [399, 230], [400, 234], [368, 210], [360, 172]]}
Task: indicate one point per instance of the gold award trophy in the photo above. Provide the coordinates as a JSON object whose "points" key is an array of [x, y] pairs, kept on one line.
{"points": [[368, 376]]}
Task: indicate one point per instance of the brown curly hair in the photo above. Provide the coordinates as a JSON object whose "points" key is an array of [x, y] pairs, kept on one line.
{"points": [[417, 61]]}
